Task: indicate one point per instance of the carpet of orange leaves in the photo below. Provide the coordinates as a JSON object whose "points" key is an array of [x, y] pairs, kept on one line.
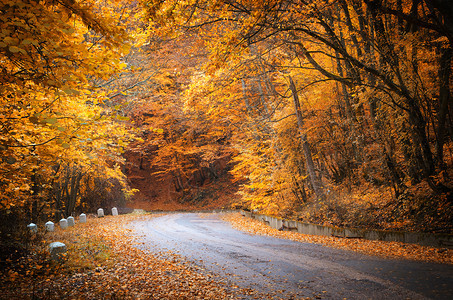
{"points": [[379, 248], [104, 262]]}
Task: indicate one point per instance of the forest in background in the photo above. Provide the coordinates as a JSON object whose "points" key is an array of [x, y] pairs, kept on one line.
{"points": [[327, 111]]}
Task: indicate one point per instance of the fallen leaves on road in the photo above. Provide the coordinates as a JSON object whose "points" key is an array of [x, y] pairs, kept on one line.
{"points": [[104, 262], [379, 248]]}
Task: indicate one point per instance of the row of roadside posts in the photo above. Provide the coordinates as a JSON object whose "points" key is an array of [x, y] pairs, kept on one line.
{"points": [[57, 249], [65, 223]]}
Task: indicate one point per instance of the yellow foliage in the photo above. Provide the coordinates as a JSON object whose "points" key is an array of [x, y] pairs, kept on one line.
{"points": [[50, 111]]}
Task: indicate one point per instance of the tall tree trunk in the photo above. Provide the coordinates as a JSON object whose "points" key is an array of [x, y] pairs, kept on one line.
{"points": [[444, 102], [314, 179]]}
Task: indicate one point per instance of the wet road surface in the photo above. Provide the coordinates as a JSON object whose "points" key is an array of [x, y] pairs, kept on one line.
{"points": [[291, 270]]}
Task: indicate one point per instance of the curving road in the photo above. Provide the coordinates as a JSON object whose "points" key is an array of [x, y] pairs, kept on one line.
{"points": [[291, 270]]}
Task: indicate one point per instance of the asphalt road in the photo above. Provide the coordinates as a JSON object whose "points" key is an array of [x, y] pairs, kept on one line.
{"points": [[291, 270]]}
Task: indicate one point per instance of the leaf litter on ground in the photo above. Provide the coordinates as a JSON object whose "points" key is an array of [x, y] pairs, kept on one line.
{"points": [[104, 261], [385, 249]]}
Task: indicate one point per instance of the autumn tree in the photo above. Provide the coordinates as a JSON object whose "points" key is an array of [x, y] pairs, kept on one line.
{"points": [[55, 128]]}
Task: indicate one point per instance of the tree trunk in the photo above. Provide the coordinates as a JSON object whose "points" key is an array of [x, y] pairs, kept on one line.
{"points": [[444, 102], [314, 179]]}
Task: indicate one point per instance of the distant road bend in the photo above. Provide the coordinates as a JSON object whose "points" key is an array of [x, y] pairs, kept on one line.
{"points": [[292, 270]]}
